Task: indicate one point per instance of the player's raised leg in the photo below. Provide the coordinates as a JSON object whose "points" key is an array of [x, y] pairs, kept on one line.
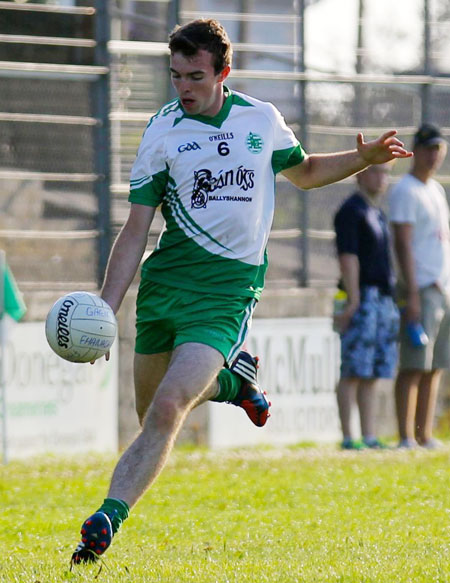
{"points": [[239, 386]]}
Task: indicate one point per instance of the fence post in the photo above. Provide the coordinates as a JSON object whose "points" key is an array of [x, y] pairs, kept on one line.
{"points": [[360, 110], [173, 18], [101, 107], [426, 61], [304, 215], [2, 359]]}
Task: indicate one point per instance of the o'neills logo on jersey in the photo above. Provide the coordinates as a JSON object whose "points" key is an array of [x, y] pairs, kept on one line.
{"points": [[221, 137], [62, 327], [205, 184]]}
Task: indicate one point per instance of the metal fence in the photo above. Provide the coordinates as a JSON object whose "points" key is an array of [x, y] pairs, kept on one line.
{"points": [[66, 148], [54, 164]]}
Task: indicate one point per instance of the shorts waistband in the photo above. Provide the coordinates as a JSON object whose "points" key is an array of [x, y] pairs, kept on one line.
{"points": [[375, 288]]}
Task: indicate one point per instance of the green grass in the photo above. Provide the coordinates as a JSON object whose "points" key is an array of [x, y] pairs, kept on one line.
{"points": [[265, 515]]}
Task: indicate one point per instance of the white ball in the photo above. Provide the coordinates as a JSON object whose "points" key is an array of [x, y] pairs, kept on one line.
{"points": [[80, 327]]}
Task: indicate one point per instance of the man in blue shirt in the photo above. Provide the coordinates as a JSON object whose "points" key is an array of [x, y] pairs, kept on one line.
{"points": [[368, 325]]}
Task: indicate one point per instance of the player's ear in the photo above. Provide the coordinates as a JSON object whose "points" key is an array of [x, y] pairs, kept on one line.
{"points": [[224, 74]]}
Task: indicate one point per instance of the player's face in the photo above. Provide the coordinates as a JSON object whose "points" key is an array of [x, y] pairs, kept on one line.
{"points": [[198, 86]]}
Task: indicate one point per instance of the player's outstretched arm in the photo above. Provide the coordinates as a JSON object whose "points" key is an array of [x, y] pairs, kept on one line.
{"points": [[322, 169]]}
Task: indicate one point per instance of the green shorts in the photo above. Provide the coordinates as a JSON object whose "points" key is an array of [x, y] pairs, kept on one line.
{"points": [[167, 317]]}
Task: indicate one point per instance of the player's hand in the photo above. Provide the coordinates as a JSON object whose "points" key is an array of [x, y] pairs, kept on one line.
{"points": [[384, 149], [106, 358]]}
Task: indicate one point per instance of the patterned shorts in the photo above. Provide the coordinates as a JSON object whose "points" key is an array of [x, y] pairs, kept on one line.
{"points": [[369, 345]]}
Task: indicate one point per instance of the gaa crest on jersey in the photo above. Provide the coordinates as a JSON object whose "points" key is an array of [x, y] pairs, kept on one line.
{"points": [[254, 143], [188, 147]]}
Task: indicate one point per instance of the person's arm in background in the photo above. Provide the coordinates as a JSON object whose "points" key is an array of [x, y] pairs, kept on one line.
{"points": [[349, 266], [403, 233]]}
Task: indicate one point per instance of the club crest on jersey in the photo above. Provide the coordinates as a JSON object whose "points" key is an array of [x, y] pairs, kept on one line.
{"points": [[205, 184], [188, 147], [254, 143]]}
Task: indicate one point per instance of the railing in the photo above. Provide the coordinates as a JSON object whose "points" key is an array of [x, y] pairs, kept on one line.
{"points": [[284, 87], [96, 74]]}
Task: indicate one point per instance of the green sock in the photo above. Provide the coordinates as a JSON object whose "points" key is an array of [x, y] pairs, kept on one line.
{"points": [[229, 385], [117, 510]]}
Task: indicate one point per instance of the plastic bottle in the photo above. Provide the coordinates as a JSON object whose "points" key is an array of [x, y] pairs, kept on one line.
{"points": [[416, 334], [415, 331], [339, 304]]}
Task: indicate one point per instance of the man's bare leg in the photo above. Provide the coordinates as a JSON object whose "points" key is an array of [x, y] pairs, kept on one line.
{"points": [[149, 371], [190, 379], [426, 404], [187, 382], [406, 387], [346, 393], [366, 405]]}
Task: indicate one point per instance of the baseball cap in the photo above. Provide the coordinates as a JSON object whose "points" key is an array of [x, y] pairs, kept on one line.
{"points": [[428, 135]]}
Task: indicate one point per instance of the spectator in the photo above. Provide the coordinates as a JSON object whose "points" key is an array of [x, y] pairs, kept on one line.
{"points": [[368, 324], [420, 218]]}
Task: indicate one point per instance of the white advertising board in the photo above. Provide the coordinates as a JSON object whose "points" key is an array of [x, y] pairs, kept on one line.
{"points": [[53, 405], [299, 360]]}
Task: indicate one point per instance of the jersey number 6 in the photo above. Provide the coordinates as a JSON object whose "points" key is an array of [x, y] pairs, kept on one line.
{"points": [[223, 149]]}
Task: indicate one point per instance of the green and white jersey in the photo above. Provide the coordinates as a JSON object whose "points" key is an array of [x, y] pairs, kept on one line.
{"points": [[215, 180]]}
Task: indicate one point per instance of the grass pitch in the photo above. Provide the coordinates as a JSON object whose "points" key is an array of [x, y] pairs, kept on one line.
{"points": [[264, 515]]}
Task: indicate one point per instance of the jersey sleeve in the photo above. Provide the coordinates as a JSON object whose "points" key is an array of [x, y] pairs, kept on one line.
{"points": [[402, 206], [287, 151], [346, 228], [149, 174]]}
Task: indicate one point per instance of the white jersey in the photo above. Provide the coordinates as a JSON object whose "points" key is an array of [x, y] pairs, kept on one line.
{"points": [[215, 179], [424, 206]]}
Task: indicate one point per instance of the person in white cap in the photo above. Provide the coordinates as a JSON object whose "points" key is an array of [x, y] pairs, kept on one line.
{"points": [[419, 215]]}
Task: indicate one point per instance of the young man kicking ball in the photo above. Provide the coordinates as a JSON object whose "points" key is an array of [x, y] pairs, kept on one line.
{"points": [[209, 158]]}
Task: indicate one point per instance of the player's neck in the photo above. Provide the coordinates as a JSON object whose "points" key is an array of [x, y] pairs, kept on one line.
{"points": [[217, 105], [221, 101]]}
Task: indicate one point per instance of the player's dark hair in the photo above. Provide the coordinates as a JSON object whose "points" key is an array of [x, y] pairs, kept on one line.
{"points": [[206, 34]]}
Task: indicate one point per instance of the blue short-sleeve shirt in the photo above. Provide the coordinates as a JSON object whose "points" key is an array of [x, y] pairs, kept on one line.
{"points": [[362, 230]]}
